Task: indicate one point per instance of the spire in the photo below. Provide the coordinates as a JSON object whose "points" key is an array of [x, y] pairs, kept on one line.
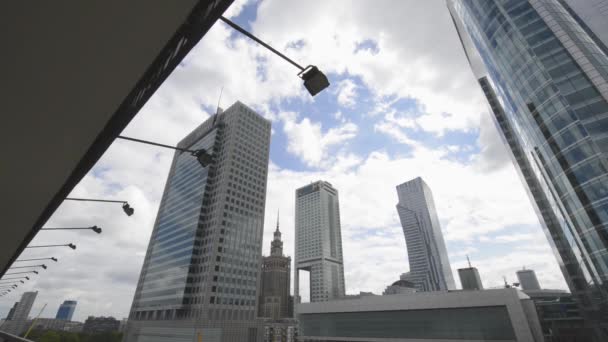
{"points": [[469, 261], [276, 246]]}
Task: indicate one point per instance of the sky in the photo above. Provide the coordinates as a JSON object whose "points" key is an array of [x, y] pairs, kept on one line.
{"points": [[402, 103]]}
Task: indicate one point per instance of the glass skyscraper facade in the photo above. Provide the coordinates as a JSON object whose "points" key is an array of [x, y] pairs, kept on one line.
{"points": [[66, 310], [545, 75], [319, 241], [201, 270], [429, 263]]}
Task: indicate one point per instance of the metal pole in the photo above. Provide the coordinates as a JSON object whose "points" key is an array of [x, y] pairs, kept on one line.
{"points": [[155, 144], [242, 30], [54, 259], [92, 200]]}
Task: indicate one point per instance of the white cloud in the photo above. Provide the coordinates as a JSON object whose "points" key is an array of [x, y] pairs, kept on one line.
{"points": [[307, 140], [347, 93]]}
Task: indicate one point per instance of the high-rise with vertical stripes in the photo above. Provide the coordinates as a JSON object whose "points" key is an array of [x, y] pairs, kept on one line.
{"points": [[319, 242], [543, 67], [200, 276], [429, 264]]}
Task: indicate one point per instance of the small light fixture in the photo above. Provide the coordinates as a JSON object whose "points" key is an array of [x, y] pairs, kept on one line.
{"points": [[203, 157], [127, 209], [314, 79]]}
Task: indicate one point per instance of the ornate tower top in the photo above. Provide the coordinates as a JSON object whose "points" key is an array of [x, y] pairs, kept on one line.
{"points": [[276, 246]]}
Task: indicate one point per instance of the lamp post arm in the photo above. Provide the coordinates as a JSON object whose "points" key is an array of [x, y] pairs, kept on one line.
{"points": [[92, 200], [155, 144], [257, 40]]}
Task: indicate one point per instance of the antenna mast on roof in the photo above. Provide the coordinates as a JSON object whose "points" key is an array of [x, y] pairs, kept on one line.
{"points": [[469, 261], [217, 109]]}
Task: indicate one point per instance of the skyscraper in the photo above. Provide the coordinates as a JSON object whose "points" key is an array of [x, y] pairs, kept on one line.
{"points": [[543, 69], [319, 241], [276, 277], [66, 310], [429, 264], [21, 311], [200, 274], [469, 278], [527, 280]]}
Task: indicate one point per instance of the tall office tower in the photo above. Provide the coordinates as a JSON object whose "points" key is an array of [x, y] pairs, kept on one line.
{"points": [[66, 310], [527, 280], [469, 278], [319, 241], [276, 277], [429, 264], [201, 271], [21, 311], [11, 312], [546, 80]]}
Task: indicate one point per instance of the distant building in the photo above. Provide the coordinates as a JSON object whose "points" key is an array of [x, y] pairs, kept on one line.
{"points": [[502, 314], [403, 285], [319, 241], [559, 316], [429, 264], [74, 327], [94, 325], [469, 278], [527, 280], [49, 324], [66, 310], [21, 311], [281, 330], [11, 312], [276, 281]]}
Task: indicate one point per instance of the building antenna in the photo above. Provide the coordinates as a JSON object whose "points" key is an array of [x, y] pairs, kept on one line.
{"points": [[217, 109], [278, 213], [469, 261]]}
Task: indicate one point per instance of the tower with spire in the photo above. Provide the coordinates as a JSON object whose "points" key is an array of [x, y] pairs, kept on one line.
{"points": [[275, 301]]}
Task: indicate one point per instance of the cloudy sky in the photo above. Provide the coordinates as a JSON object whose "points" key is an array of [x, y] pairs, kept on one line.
{"points": [[403, 103]]}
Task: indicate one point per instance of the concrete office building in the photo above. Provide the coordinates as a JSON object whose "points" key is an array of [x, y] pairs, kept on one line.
{"points": [[276, 281], [401, 286], [489, 315], [544, 71], [469, 278], [96, 325], [201, 272], [319, 241], [527, 280], [66, 310], [11, 312], [429, 264], [18, 322]]}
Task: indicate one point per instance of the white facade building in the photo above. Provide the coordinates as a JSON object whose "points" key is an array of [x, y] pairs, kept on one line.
{"points": [[506, 315], [429, 264], [319, 241]]}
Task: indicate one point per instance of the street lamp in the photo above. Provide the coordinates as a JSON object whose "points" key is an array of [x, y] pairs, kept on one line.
{"points": [[17, 278], [51, 258], [35, 272], [93, 228], [204, 158], [314, 79], [71, 245], [125, 205], [41, 265]]}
